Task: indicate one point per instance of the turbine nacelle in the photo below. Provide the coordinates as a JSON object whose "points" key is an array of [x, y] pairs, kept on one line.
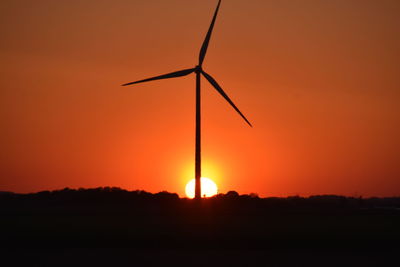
{"points": [[198, 69]]}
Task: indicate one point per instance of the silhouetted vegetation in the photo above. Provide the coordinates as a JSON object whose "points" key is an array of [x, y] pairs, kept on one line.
{"points": [[114, 199], [111, 217]]}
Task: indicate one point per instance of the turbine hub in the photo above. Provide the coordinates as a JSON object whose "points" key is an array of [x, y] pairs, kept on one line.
{"points": [[198, 69]]}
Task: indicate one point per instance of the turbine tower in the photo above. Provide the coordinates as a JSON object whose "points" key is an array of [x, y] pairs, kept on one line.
{"points": [[198, 70]]}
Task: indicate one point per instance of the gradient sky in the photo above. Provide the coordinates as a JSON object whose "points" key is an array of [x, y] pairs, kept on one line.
{"points": [[318, 79]]}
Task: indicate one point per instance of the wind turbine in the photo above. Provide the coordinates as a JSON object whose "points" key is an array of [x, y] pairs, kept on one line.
{"points": [[199, 71]]}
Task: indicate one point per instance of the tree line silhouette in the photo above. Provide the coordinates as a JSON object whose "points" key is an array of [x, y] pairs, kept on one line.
{"points": [[117, 199], [111, 216]]}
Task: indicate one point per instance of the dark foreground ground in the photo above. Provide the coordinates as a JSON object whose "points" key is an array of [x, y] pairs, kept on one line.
{"points": [[113, 227]]}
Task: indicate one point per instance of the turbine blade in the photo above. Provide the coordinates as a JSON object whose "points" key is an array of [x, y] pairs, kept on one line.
{"points": [[165, 76], [219, 89], [204, 47]]}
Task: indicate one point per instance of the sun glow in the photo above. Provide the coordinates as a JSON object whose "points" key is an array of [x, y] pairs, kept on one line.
{"points": [[208, 188]]}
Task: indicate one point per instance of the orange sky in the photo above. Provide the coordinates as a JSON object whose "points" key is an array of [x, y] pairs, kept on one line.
{"points": [[318, 79]]}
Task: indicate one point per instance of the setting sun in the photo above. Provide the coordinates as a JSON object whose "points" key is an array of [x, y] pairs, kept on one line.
{"points": [[208, 188]]}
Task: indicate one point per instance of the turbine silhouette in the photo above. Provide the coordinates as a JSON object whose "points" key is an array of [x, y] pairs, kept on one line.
{"points": [[199, 71]]}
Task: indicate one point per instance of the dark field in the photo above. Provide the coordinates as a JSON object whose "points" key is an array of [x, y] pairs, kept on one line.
{"points": [[113, 227]]}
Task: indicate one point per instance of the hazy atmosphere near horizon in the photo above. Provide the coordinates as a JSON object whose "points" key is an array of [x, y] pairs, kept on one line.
{"points": [[319, 81]]}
